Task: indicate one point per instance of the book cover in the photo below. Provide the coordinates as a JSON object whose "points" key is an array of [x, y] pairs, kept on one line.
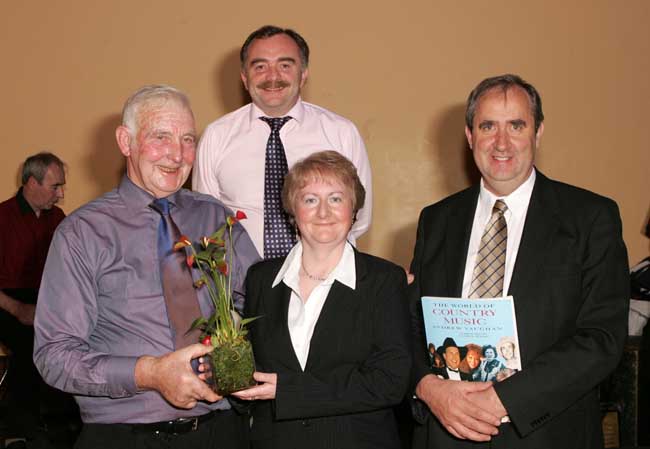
{"points": [[472, 339]]}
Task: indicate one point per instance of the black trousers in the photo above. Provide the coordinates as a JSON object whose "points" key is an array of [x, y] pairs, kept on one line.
{"points": [[21, 414], [227, 430]]}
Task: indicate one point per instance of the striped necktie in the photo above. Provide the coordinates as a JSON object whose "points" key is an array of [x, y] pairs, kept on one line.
{"points": [[489, 271]]}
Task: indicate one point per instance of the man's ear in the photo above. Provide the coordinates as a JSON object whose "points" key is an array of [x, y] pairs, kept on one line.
{"points": [[32, 182], [468, 135], [123, 137], [303, 76], [243, 79], [538, 135]]}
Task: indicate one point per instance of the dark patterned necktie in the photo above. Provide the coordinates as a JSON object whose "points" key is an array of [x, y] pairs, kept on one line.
{"points": [[279, 234], [489, 271], [178, 286]]}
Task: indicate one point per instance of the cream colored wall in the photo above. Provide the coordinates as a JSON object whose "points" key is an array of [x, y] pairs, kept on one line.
{"points": [[401, 71]]}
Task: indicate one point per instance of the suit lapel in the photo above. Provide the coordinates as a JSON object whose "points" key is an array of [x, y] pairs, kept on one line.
{"points": [[340, 302], [459, 229], [279, 304], [541, 225]]}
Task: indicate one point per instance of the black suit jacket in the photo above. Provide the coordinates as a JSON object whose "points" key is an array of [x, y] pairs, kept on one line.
{"points": [[357, 368], [570, 286]]}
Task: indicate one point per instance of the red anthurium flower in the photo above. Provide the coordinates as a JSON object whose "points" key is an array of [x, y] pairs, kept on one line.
{"points": [[207, 341], [182, 243], [190, 260], [238, 216]]}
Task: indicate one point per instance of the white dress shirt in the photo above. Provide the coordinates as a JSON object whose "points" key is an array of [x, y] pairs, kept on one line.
{"points": [[231, 156], [515, 216], [303, 315], [453, 374]]}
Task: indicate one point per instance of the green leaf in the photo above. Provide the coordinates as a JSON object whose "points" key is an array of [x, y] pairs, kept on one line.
{"points": [[198, 323], [218, 234], [203, 255], [245, 321]]}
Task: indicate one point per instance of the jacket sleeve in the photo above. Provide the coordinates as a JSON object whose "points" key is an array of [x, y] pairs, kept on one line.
{"points": [[420, 366], [591, 338]]}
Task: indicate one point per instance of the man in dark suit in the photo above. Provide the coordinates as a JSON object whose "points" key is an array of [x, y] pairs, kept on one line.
{"points": [[564, 262]]}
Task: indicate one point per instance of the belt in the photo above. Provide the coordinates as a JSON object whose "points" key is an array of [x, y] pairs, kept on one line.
{"points": [[176, 426]]}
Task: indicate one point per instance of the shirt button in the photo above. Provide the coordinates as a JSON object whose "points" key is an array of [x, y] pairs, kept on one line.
{"points": [[306, 423]]}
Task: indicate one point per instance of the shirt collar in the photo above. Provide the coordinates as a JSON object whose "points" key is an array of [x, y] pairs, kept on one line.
{"points": [[297, 112], [23, 205], [344, 272], [517, 201], [136, 199]]}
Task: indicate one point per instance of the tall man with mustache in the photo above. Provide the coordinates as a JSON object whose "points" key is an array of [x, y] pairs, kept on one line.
{"points": [[243, 156]]}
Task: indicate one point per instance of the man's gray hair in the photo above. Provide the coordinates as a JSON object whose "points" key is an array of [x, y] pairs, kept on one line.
{"points": [[36, 166], [147, 97]]}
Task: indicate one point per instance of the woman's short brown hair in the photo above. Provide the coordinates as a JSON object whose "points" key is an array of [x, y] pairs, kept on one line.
{"points": [[322, 166]]}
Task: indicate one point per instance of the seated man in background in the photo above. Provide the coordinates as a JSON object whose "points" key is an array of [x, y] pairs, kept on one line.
{"points": [[107, 327]]}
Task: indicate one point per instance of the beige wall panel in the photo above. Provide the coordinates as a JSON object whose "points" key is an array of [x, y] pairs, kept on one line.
{"points": [[400, 71]]}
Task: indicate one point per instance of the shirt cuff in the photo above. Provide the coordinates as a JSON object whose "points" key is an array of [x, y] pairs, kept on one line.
{"points": [[120, 374]]}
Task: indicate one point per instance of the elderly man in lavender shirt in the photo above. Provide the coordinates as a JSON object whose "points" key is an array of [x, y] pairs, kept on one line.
{"points": [[102, 328]]}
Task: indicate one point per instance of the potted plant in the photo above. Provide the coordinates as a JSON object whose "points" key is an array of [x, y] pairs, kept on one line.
{"points": [[232, 356]]}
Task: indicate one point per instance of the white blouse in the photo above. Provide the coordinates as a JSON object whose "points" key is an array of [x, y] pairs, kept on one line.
{"points": [[303, 315]]}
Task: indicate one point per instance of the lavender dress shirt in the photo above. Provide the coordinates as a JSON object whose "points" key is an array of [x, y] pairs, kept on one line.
{"points": [[101, 304]]}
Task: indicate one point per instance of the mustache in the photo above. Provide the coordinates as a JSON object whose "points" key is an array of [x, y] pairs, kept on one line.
{"points": [[273, 84]]}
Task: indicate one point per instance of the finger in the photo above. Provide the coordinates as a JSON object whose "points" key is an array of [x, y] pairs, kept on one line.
{"points": [[260, 377], [452, 431], [211, 396], [203, 392], [197, 349], [474, 387], [477, 425], [205, 377], [487, 418], [264, 377], [253, 391], [204, 368], [242, 395], [469, 434], [476, 410], [246, 396]]}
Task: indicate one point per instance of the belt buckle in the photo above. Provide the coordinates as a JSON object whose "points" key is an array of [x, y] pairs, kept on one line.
{"points": [[184, 425]]}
